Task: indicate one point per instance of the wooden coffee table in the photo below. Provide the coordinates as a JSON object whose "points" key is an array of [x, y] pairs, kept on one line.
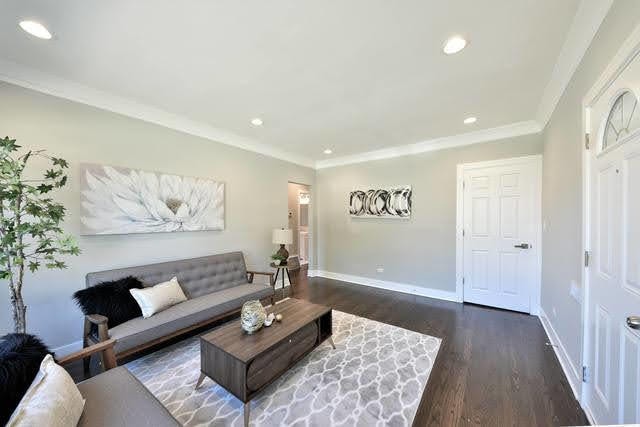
{"points": [[245, 364]]}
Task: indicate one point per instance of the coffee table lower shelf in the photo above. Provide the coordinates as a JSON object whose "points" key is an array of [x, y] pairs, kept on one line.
{"points": [[245, 364]]}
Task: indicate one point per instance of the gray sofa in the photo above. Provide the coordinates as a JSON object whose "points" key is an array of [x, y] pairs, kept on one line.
{"points": [[116, 398], [216, 286]]}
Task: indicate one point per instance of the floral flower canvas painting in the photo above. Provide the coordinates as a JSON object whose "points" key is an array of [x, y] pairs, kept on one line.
{"points": [[119, 200]]}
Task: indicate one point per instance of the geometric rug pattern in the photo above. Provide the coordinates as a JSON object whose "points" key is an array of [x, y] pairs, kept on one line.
{"points": [[374, 377]]}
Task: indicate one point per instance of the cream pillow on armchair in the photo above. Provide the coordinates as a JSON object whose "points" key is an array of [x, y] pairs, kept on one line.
{"points": [[156, 298], [52, 399]]}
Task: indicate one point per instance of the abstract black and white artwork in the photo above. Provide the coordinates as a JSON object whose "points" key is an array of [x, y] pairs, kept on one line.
{"points": [[381, 203], [119, 200]]}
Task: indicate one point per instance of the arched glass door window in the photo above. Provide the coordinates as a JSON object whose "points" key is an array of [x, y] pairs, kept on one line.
{"points": [[623, 118]]}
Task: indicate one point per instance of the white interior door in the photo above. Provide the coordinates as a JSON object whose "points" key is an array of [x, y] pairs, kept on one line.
{"points": [[501, 220], [613, 385]]}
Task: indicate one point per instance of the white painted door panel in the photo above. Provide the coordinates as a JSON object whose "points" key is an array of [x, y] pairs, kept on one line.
{"points": [[499, 214], [613, 390]]}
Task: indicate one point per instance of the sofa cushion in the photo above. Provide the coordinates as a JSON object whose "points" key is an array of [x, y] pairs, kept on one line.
{"points": [[117, 398], [197, 276], [111, 299], [156, 298], [139, 331]]}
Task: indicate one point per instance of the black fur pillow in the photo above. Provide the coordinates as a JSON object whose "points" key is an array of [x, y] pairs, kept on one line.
{"points": [[20, 358], [111, 299]]}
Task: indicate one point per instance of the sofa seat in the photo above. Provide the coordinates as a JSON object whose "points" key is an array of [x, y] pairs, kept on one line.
{"points": [[117, 399], [140, 331]]}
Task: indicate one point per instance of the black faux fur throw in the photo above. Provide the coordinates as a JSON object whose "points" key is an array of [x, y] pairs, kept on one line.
{"points": [[20, 358], [111, 299]]}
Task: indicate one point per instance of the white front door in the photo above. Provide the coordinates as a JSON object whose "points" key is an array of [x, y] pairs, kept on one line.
{"points": [[501, 220], [613, 385]]}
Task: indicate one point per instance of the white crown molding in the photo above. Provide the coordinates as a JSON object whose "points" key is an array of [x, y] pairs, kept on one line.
{"points": [[586, 22], [49, 84], [584, 27], [476, 137]]}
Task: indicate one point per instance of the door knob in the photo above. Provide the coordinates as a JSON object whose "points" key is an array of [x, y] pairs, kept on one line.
{"points": [[633, 322], [522, 246]]}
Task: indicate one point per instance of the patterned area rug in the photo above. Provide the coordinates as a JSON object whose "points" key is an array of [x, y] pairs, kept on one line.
{"points": [[375, 377]]}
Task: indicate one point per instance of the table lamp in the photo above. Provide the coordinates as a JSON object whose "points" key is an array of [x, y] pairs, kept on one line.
{"points": [[282, 237]]}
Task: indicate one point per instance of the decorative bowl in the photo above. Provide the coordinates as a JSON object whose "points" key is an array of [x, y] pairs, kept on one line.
{"points": [[252, 316]]}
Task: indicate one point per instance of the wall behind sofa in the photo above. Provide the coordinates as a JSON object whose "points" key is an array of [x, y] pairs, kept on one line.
{"points": [[256, 198], [420, 251]]}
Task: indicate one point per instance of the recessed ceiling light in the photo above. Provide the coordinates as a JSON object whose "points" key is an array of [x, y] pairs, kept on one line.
{"points": [[328, 151], [35, 29], [470, 120], [257, 121], [454, 45]]}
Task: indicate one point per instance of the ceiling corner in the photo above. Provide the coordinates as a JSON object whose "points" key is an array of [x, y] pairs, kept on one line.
{"points": [[584, 27]]}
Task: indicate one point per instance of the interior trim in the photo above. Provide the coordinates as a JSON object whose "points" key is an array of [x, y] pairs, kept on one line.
{"points": [[486, 135], [583, 29], [569, 368], [391, 286], [588, 19], [49, 84]]}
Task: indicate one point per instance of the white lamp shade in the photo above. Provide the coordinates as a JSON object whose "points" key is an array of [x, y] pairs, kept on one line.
{"points": [[282, 237]]}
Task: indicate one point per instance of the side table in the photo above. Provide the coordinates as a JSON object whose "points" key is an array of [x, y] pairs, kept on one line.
{"points": [[281, 270]]}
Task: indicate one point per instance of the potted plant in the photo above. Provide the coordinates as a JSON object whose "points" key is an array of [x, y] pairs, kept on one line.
{"points": [[31, 235], [278, 259]]}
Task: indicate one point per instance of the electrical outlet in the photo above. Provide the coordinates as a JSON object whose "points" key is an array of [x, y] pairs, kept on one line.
{"points": [[380, 270]]}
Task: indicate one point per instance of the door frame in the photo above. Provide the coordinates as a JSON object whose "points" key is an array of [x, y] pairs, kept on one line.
{"points": [[536, 160], [625, 55]]}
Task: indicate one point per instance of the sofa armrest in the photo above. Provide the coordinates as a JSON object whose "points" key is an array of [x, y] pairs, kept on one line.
{"points": [[105, 347], [98, 320], [250, 275]]}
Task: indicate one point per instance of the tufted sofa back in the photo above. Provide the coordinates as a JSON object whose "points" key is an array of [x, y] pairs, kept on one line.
{"points": [[197, 276]]}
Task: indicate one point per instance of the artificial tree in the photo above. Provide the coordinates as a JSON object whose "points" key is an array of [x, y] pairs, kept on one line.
{"points": [[31, 235]]}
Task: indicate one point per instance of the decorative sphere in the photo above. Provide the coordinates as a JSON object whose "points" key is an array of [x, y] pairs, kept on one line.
{"points": [[278, 317], [252, 316]]}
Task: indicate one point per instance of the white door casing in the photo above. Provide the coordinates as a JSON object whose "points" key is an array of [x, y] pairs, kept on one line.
{"points": [[498, 242], [612, 348]]}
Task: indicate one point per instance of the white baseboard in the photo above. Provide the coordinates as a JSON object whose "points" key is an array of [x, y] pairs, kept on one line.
{"points": [[590, 416], [391, 286], [571, 371], [67, 349]]}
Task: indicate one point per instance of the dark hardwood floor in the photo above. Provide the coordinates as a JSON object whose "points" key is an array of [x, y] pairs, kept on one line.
{"points": [[493, 368]]}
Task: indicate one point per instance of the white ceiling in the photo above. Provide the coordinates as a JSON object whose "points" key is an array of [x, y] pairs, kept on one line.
{"points": [[354, 76]]}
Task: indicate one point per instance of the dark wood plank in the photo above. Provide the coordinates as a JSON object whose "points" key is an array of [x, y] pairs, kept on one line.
{"points": [[493, 367]]}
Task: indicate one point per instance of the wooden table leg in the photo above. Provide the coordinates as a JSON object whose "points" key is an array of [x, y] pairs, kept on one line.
{"points": [[331, 342], [247, 410], [290, 282], [283, 285], [202, 375]]}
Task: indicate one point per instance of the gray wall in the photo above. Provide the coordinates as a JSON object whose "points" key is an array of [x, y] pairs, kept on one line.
{"points": [[256, 198], [562, 181], [420, 251]]}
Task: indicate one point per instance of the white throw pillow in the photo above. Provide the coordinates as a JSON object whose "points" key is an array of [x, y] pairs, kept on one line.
{"points": [[52, 399], [156, 298]]}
